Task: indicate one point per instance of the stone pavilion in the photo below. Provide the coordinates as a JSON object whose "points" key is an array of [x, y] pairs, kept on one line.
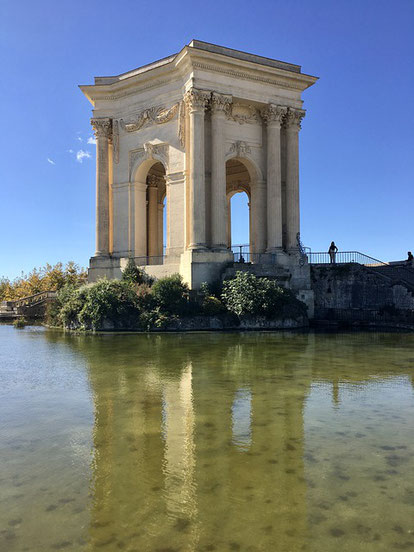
{"points": [[176, 139]]}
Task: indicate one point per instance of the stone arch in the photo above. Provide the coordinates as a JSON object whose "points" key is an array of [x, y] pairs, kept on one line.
{"points": [[148, 184], [244, 155], [241, 176], [142, 159]]}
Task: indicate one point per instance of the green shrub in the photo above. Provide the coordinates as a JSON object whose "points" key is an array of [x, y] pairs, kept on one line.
{"points": [[171, 294], [20, 323], [155, 319], [135, 275], [92, 306], [247, 295], [212, 306]]}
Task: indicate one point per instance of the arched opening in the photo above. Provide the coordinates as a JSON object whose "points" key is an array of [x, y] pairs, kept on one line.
{"points": [[156, 217], [238, 193]]}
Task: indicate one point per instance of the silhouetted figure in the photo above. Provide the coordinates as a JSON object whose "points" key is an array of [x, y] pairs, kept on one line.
{"points": [[241, 259], [332, 252], [410, 259]]}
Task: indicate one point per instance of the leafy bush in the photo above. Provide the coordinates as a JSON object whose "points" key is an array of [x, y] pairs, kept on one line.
{"points": [[247, 295], [93, 306], [155, 319], [136, 275], [212, 306], [171, 294], [20, 323], [213, 289]]}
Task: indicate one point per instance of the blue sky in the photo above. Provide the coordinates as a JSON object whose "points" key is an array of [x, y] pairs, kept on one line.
{"points": [[357, 149]]}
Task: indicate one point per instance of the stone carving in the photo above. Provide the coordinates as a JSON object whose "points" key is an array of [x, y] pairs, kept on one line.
{"points": [[155, 149], [274, 113], [102, 127], [196, 99], [220, 103], [115, 140], [240, 148], [294, 118], [134, 156], [153, 180], [181, 124], [243, 113], [149, 151], [153, 115]]}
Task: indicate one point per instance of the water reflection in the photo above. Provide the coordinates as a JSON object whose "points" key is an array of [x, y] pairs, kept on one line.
{"points": [[230, 442], [241, 419]]}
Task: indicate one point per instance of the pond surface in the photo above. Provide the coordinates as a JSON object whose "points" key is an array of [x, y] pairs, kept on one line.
{"points": [[206, 442]]}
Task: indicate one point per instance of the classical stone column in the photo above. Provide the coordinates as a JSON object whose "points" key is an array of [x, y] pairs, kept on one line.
{"points": [[160, 229], [152, 216], [139, 219], [258, 216], [176, 191], [273, 115], [293, 124], [196, 102], [219, 105], [103, 130], [229, 223]]}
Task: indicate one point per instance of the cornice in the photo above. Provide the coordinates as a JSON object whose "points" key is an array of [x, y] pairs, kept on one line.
{"points": [[186, 61], [282, 82]]}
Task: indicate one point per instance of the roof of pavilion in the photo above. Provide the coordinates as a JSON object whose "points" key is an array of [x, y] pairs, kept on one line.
{"points": [[207, 47]]}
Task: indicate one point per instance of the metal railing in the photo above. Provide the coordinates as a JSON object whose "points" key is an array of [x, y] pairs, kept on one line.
{"points": [[254, 258], [242, 254], [32, 300], [343, 257]]}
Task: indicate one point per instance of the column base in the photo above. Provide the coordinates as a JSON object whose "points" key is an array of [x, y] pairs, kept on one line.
{"points": [[201, 266], [278, 249], [219, 247], [197, 247]]}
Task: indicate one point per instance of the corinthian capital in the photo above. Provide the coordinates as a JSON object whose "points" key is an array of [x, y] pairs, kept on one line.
{"points": [[153, 180], [294, 118], [220, 103], [196, 100], [102, 127], [274, 113]]}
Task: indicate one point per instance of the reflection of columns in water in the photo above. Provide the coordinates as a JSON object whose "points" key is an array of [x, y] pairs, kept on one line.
{"points": [[241, 419], [179, 454]]}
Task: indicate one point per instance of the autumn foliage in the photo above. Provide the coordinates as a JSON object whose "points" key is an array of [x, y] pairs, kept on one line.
{"points": [[47, 278]]}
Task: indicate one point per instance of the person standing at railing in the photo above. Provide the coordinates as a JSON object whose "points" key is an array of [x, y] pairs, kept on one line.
{"points": [[332, 252], [410, 259]]}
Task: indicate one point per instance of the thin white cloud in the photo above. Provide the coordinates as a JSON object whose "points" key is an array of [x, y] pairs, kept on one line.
{"points": [[50, 161], [91, 140], [81, 155], [71, 151], [79, 138]]}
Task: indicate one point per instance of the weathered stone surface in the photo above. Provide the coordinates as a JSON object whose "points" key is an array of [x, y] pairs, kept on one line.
{"points": [[355, 293]]}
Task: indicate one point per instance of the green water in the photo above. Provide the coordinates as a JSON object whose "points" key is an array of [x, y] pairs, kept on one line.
{"points": [[206, 442]]}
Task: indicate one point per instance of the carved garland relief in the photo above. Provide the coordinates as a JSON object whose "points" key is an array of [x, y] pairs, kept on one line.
{"points": [[243, 113], [153, 115]]}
